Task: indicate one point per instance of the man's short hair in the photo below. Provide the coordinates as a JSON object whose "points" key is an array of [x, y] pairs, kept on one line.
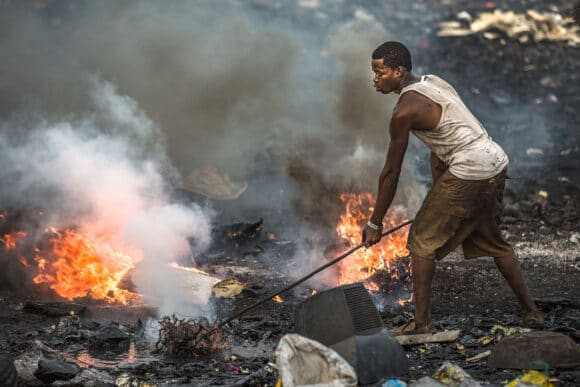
{"points": [[394, 54]]}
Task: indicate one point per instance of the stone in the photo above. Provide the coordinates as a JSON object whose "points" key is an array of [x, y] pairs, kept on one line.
{"points": [[8, 374], [89, 377], [26, 365], [50, 370], [109, 335], [517, 351]]}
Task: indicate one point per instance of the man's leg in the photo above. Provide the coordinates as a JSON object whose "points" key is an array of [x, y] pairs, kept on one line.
{"points": [[512, 272], [422, 270]]}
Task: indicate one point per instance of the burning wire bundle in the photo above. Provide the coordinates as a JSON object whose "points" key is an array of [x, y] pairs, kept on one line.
{"points": [[183, 337]]}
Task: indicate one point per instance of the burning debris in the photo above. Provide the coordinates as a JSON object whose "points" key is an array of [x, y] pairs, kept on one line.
{"points": [[73, 264], [377, 262], [190, 338]]}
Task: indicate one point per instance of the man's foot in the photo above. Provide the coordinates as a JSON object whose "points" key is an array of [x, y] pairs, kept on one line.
{"points": [[411, 328], [533, 319]]}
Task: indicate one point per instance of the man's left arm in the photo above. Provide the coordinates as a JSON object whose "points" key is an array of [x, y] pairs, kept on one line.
{"points": [[399, 129]]}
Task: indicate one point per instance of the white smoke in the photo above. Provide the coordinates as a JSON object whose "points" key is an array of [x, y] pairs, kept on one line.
{"points": [[107, 173]]}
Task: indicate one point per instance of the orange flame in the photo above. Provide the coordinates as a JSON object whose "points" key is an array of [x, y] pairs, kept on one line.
{"points": [[76, 265], [366, 261], [11, 240], [277, 299], [175, 265]]}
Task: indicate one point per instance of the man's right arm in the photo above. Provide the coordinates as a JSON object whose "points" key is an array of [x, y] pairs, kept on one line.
{"points": [[437, 167]]}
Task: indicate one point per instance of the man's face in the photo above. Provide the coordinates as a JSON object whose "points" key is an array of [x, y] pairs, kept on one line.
{"points": [[385, 79]]}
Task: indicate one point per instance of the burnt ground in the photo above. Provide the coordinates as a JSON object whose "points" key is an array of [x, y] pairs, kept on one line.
{"points": [[511, 87]]}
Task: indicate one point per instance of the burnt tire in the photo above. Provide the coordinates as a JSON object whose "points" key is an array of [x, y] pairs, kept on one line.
{"points": [[8, 374]]}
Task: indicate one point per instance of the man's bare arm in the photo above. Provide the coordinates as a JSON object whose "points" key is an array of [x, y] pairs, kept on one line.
{"points": [[399, 128]]}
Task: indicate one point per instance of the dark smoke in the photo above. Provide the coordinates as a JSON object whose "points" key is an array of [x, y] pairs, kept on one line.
{"points": [[224, 82]]}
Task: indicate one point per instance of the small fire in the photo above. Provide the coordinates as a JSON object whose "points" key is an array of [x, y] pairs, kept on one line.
{"points": [[75, 265], [11, 240], [366, 261], [277, 299], [175, 265]]}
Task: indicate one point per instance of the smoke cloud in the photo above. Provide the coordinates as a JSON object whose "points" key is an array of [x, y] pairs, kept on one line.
{"points": [[104, 105], [108, 180]]}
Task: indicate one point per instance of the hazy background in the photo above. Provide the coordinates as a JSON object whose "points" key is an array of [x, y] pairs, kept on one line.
{"points": [[106, 106]]}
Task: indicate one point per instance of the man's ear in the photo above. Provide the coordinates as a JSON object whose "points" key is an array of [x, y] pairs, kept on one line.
{"points": [[400, 71]]}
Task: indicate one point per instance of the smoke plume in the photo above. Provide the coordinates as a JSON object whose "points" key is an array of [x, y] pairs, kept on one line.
{"points": [[231, 84], [106, 174]]}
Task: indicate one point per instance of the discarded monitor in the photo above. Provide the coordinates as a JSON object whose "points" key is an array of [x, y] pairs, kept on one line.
{"points": [[346, 320]]}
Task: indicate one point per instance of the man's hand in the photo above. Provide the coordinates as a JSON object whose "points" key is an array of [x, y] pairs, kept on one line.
{"points": [[371, 236]]}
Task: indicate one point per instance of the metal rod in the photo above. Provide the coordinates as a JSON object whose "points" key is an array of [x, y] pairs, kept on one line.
{"points": [[298, 282]]}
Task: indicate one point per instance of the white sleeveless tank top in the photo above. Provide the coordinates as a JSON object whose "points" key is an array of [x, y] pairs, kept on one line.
{"points": [[459, 139]]}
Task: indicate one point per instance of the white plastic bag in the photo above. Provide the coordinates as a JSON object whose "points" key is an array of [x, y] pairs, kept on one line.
{"points": [[303, 362]]}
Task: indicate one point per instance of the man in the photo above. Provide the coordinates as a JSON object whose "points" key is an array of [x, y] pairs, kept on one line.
{"points": [[468, 170]]}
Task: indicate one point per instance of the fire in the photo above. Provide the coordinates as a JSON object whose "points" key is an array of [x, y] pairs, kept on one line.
{"points": [[362, 264], [10, 240], [76, 265], [277, 299], [175, 265]]}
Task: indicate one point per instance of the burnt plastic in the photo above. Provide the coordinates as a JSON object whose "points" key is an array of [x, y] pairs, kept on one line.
{"points": [[346, 319]]}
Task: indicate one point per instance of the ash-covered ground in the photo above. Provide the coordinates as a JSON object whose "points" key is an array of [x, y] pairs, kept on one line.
{"points": [[526, 95]]}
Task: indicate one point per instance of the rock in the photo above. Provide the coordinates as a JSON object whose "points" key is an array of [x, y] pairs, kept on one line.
{"points": [[8, 374], [89, 377], [54, 309], [26, 365], [517, 351], [111, 334], [50, 370]]}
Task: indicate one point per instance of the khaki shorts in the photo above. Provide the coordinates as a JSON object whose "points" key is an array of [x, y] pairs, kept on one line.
{"points": [[460, 212]]}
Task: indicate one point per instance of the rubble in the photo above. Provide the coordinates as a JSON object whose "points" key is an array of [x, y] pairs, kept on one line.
{"points": [[51, 370], [523, 27], [519, 351], [183, 337]]}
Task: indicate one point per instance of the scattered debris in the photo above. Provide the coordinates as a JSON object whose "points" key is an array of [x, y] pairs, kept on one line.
{"points": [[50, 370], [89, 377], [452, 375], [535, 25], [518, 351], [213, 183], [394, 383], [228, 288], [426, 381], [179, 337], [478, 357], [439, 337], [302, 361], [530, 379]]}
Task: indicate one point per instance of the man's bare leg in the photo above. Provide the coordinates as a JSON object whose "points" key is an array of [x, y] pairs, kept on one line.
{"points": [[510, 268], [422, 270]]}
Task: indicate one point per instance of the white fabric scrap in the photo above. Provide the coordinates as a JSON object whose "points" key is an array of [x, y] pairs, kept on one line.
{"points": [[303, 362]]}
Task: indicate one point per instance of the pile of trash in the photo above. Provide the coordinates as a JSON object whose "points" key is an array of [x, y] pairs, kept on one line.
{"points": [[532, 25], [307, 363], [190, 337]]}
